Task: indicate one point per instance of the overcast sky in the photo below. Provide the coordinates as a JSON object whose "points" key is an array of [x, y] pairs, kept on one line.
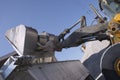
{"points": [[52, 16]]}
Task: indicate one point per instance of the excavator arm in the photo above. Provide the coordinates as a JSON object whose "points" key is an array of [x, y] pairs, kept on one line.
{"points": [[85, 34]]}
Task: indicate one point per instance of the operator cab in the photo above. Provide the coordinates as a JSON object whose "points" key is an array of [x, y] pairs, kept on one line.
{"points": [[110, 7]]}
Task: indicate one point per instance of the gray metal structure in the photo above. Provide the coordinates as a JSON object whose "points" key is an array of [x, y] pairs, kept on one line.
{"points": [[34, 58], [33, 52], [66, 70], [32, 48]]}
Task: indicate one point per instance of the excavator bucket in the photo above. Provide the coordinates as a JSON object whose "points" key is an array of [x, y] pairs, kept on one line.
{"points": [[23, 39]]}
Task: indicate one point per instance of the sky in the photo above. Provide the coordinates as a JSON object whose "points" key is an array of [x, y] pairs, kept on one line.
{"points": [[52, 16]]}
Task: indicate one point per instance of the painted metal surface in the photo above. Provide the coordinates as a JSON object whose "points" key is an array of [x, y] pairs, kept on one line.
{"points": [[67, 70]]}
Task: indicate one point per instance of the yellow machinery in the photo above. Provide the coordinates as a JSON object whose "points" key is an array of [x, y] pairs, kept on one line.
{"points": [[32, 48], [114, 32], [114, 29], [110, 62]]}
